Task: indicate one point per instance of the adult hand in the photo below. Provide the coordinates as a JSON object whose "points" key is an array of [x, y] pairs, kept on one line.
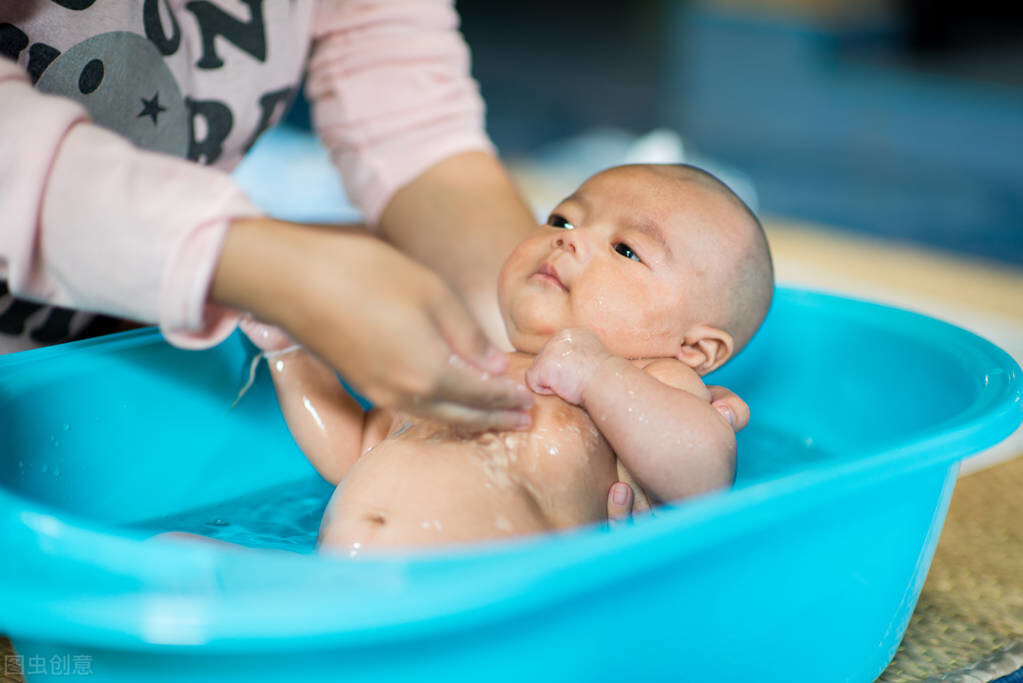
{"points": [[619, 504], [626, 499], [392, 327]]}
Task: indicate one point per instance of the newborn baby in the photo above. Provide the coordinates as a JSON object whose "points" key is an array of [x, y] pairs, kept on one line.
{"points": [[642, 281]]}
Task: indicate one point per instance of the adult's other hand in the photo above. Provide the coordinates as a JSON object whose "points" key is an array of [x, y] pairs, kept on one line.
{"points": [[389, 325]]}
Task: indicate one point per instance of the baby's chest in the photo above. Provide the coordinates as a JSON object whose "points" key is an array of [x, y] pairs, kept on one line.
{"points": [[563, 445], [562, 440]]}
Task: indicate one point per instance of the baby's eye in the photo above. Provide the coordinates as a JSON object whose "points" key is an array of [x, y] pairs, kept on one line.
{"points": [[624, 249], [556, 221]]}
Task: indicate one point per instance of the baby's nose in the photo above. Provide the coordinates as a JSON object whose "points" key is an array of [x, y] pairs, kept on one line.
{"points": [[573, 242]]}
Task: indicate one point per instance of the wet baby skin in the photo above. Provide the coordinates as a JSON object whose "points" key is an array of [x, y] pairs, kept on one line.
{"points": [[428, 483]]}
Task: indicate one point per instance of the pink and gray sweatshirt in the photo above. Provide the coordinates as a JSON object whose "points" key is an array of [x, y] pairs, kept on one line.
{"points": [[119, 120]]}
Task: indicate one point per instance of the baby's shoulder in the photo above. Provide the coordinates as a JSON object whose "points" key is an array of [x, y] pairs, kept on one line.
{"points": [[676, 374]]}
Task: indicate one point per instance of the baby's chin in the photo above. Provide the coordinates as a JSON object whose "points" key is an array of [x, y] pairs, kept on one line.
{"points": [[526, 335], [524, 343]]}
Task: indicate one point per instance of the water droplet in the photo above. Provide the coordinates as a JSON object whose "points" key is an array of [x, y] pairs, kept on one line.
{"points": [[454, 360], [67, 428], [220, 522]]}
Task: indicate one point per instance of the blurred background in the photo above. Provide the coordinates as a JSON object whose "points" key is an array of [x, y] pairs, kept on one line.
{"points": [[896, 118]]}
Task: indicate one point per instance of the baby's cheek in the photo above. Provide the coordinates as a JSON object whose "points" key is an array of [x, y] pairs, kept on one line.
{"points": [[620, 318], [522, 262]]}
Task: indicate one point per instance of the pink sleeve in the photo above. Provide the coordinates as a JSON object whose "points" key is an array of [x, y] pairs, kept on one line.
{"points": [[391, 93], [92, 222]]}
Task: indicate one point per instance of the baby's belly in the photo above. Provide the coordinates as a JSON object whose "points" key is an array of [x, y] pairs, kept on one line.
{"points": [[427, 487]]}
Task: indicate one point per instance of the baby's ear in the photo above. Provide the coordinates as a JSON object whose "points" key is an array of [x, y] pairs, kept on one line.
{"points": [[706, 348]]}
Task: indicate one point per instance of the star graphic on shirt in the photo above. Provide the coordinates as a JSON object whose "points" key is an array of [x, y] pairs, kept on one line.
{"points": [[151, 108]]}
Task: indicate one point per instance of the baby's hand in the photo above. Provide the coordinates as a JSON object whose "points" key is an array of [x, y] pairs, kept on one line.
{"points": [[730, 406], [566, 363]]}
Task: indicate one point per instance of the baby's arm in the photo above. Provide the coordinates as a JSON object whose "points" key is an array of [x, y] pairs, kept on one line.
{"points": [[658, 419], [327, 423]]}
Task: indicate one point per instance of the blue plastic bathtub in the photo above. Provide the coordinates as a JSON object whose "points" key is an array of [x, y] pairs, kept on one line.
{"points": [[807, 571]]}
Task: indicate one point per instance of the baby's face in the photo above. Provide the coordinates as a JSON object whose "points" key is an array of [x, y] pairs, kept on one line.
{"points": [[634, 255]]}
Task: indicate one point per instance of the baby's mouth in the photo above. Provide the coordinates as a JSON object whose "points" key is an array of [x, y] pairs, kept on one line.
{"points": [[547, 273]]}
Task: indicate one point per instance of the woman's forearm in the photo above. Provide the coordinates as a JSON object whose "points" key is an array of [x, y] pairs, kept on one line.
{"points": [[462, 218]]}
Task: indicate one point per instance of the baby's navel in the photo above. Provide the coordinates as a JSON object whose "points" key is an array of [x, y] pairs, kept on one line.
{"points": [[375, 518]]}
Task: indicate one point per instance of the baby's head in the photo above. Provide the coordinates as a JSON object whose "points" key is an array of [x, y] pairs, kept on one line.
{"points": [[659, 261]]}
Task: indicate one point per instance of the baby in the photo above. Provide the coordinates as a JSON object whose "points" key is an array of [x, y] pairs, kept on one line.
{"points": [[642, 281]]}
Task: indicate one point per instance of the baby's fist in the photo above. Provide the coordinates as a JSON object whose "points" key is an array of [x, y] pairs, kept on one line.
{"points": [[566, 363]]}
